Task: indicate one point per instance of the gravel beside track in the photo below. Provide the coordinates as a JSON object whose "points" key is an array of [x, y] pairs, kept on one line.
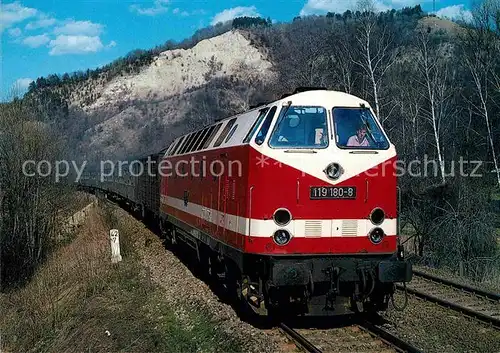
{"points": [[436, 329]]}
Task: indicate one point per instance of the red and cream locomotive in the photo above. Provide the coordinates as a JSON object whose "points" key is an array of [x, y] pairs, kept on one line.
{"points": [[293, 204]]}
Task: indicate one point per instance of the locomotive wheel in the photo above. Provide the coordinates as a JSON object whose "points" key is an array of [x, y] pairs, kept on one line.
{"points": [[163, 229], [378, 302], [241, 289], [235, 290], [214, 267], [243, 306], [274, 313], [367, 307]]}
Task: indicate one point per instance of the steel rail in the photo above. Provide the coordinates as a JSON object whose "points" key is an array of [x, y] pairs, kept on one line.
{"points": [[389, 338], [298, 338], [386, 337], [448, 304], [477, 291]]}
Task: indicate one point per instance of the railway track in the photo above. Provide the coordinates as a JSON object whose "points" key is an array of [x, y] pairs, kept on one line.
{"points": [[364, 337], [473, 302]]}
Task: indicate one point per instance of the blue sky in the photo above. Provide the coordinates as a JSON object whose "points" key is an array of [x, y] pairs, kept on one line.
{"points": [[40, 37]]}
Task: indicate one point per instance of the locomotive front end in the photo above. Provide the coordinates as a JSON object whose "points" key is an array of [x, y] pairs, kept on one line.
{"points": [[323, 207]]}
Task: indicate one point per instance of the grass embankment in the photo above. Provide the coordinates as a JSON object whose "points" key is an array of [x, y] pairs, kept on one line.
{"points": [[79, 301]]}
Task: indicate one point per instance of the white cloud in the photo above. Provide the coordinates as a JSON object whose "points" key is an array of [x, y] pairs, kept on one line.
{"points": [[36, 41], [239, 11], [157, 8], [178, 12], [321, 7], [13, 13], [22, 84], [71, 36], [78, 44], [83, 28], [455, 12], [41, 23], [15, 32]]}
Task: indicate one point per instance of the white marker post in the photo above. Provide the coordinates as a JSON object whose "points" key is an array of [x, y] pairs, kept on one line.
{"points": [[115, 246]]}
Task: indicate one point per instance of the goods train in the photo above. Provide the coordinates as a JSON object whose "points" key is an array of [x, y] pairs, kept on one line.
{"points": [[292, 204]]}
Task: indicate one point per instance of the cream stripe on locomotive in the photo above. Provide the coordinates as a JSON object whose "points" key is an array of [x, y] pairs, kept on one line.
{"points": [[310, 228]]}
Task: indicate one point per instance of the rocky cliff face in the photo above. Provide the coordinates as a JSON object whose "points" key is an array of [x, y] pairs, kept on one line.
{"points": [[175, 71]]}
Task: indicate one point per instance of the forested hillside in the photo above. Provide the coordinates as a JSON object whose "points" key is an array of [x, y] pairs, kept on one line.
{"points": [[434, 84]]}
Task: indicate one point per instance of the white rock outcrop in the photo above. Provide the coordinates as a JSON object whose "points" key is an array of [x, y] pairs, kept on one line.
{"points": [[174, 71]]}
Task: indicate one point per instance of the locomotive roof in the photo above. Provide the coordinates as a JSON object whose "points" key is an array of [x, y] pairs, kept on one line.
{"points": [[313, 97], [317, 97]]}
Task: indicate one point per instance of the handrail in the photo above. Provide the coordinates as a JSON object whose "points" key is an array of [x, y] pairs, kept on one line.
{"points": [[250, 210]]}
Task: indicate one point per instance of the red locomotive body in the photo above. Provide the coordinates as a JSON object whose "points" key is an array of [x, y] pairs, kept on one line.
{"points": [[294, 201]]}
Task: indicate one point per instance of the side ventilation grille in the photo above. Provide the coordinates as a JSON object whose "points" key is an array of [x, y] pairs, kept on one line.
{"points": [[313, 228], [349, 227]]}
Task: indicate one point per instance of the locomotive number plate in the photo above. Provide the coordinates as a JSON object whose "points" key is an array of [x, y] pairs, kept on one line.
{"points": [[332, 192]]}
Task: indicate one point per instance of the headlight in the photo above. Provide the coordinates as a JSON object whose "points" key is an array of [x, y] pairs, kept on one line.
{"points": [[376, 235], [377, 216], [333, 171], [282, 217], [281, 237]]}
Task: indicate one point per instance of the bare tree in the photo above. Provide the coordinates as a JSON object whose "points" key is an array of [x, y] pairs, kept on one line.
{"points": [[410, 105], [30, 203], [481, 44], [300, 48], [434, 71], [374, 52], [342, 66]]}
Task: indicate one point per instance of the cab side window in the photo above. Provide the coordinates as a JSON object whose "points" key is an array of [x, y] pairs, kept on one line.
{"points": [[255, 125], [261, 135]]}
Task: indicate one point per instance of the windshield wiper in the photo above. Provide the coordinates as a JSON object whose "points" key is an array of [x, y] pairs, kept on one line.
{"points": [[289, 104]]}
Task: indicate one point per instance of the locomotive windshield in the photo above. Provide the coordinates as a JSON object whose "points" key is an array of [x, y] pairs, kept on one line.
{"points": [[300, 127], [357, 128]]}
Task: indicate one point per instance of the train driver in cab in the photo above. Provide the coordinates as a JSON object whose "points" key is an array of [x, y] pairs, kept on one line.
{"points": [[359, 139]]}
